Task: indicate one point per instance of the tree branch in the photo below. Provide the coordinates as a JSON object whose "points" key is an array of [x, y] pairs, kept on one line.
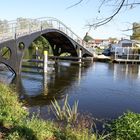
{"points": [[108, 19], [121, 4], [130, 29], [75, 4]]}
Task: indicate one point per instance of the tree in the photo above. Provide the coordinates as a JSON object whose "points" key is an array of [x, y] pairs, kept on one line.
{"points": [[87, 38], [117, 4], [22, 23], [3, 26], [112, 40], [136, 31], [40, 43]]}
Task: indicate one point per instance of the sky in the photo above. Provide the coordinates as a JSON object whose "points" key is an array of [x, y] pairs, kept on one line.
{"points": [[76, 17]]}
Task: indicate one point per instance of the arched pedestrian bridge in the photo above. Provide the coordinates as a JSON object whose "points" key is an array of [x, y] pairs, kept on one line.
{"points": [[15, 39]]}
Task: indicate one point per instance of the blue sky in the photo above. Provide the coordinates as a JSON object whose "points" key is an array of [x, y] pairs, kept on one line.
{"points": [[76, 18]]}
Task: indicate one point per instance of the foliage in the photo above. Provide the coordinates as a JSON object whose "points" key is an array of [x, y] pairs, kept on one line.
{"points": [[20, 127], [126, 127], [22, 23], [98, 51], [70, 134], [40, 43], [75, 134], [14, 117], [65, 112], [3, 26], [87, 38], [11, 111], [35, 129], [136, 31]]}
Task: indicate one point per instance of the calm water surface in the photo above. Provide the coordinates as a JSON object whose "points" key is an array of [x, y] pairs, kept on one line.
{"points": [[102, 89]]}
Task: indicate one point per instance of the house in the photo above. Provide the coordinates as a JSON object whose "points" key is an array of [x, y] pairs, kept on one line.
{"points": [[122, 44], [101, 43], [125, 47]]}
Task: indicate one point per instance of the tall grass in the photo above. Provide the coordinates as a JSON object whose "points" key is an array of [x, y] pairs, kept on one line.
{"points": [[65, 112]]}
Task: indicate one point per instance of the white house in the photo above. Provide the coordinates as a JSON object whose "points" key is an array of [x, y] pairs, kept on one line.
{"points": [[123, 46]]}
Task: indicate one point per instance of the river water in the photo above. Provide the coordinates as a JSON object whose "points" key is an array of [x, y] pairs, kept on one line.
{"points": [[105, 90]]}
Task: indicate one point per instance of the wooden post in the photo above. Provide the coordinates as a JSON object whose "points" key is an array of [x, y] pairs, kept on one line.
{"points": [[80, 55], [127, 53], [36, 52], [45, 84], [45, 60], [115, 53]]}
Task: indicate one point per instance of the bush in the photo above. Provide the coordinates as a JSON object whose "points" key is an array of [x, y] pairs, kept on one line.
{"points": [[33, 129], [11, 111], [126, 127]]}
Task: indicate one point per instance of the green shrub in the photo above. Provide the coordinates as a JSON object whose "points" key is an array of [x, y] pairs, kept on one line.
{"points": [[40, 128], [74, 134], [11, 111], [34, 129], [126, 127]]}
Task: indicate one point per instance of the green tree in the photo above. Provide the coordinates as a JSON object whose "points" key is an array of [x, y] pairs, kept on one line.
{"points": [[87, 38], [40, 43], [23, 23], [112, 40], [136, 31], [3, 26]]}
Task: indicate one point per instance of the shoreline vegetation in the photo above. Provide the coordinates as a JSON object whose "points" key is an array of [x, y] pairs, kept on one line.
{"points": [[15, 123]]}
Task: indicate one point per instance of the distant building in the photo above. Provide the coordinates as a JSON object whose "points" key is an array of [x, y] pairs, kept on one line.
{"points": [[121, 44], [95, 42], [124, 46]]}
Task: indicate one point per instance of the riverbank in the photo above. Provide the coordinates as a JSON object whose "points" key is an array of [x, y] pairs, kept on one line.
{"points": [[16, 124]]}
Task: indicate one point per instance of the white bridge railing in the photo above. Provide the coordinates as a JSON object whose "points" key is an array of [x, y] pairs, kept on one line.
{"points": [[15, 29]]}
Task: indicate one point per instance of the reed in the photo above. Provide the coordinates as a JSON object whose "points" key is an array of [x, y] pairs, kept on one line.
{"points": [[65, 112]]}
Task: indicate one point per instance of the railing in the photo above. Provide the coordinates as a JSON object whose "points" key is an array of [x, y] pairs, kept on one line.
{"points": [[127, 53], [23, 27]]}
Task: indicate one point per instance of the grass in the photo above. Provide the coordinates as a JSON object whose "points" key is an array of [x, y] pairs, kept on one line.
{"points": [[15, 123], [11, 111]]}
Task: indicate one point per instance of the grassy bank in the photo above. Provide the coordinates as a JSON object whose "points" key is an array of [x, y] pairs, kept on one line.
{"points": [[15, 124]]}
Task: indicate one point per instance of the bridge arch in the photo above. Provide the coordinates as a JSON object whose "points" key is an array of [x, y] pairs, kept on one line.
{"points": [[56, 38], [60, 37], [59, 42]]}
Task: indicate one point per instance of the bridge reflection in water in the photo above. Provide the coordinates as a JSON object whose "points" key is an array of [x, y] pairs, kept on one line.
{"points": [[105, 90], [41, 89]]}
